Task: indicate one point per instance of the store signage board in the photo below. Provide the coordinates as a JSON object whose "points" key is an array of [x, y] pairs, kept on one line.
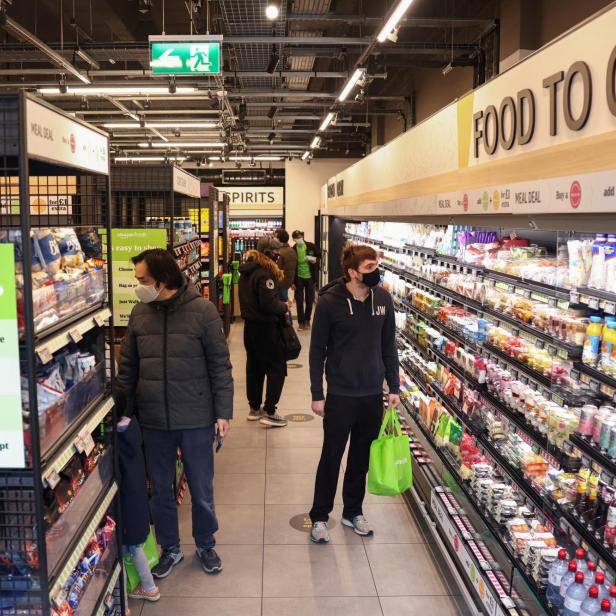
{"points": [[125, 244], [186, 184], [561, 98], [12, 451], [53, 137], [243, 199], [185, 55]]}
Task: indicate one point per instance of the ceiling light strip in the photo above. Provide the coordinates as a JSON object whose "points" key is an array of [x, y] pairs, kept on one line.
{"points": [[393, 20]]}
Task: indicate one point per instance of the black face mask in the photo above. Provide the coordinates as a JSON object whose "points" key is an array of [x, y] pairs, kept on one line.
{"points": [[271, 254], [372, 279]]}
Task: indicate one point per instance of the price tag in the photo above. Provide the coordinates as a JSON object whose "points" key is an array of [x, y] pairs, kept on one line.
{"points": [[533, 385], [52, 478], [524, 379], [556, 398], [575, 297], [606, 478], [45, 355], [584, 378], [100, 320], [607, 390], [540, 344], [610, 308], [75, 335], [594, 385], [593, 303], [552, 350], [88, 444], [563, 354], [552, 301], [79, 444]]}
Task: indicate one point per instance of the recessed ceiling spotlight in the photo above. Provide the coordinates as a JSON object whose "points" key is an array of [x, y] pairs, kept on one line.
{"points": [[272, 11]]}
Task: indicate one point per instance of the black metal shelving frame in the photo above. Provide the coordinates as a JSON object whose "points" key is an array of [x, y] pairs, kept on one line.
{"points": [[29, 580]]}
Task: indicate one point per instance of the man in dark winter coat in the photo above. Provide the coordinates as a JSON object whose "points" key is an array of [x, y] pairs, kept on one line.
{"points": [[354, 342], [175, 373], [262, 312], [287, 262]]}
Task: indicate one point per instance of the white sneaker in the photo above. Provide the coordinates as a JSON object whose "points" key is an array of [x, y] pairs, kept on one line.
{"points": [[319, 533], [360, 525]]}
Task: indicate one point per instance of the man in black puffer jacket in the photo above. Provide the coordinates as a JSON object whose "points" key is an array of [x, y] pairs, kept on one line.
{"points": [[175, 374]]}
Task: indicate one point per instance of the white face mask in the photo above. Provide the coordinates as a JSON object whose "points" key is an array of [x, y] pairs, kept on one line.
{"points": [[147, 293], [300, 241]]}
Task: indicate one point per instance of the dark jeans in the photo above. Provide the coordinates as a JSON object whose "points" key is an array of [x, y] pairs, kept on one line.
{"points": [[264, 358], [198, 457], [304, 292], [361, 419]]}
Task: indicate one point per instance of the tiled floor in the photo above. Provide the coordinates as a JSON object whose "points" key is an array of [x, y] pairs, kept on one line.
{"points": [[264, 478]]}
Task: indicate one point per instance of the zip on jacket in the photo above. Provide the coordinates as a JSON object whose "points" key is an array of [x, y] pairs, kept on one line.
{"points": [[165, 376]]}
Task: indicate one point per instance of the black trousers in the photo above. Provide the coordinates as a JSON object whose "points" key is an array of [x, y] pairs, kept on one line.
{"points": [[304, 296], [361, 419], [265, 358]]}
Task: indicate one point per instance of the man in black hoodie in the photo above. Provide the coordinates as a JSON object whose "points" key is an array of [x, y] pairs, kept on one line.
{"points": [[353, 341]]}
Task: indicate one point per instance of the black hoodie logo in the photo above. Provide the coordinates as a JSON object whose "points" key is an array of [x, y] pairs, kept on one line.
{"points": [[380, 310]]}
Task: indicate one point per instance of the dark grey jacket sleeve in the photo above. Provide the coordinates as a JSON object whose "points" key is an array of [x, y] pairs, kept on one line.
{"points": [[128, 372], [390, 350], [218, 363], [318, 349]]}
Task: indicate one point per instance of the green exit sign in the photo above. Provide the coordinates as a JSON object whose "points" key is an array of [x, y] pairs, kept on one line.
{"points": [[185, 55]]}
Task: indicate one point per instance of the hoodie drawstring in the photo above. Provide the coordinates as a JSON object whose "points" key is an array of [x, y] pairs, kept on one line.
{"points": [[350, 306], [372, 297]]}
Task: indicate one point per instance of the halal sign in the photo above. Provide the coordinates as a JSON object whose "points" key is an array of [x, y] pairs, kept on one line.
{"points": [[575, 195]]}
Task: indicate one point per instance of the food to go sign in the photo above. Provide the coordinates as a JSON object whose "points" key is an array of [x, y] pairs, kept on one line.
{"points": [[185, 55]]}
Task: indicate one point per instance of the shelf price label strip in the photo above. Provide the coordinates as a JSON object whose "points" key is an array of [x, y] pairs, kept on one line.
{"points": [[81, 442], [74, 333], [71, 563], [109, 590], [482, 585]]}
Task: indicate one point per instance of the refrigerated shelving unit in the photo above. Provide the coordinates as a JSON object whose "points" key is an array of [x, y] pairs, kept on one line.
{"points": [[54, 175], [551, 183]]}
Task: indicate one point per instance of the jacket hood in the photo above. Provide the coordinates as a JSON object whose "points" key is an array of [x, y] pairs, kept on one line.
{"points": [[257, 259], [337, 289], [186, 293], [248, 267]]}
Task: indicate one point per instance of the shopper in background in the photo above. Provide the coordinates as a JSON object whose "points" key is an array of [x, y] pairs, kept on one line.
{"points": [[176, 375], [306, 277], [354, 341], [263, 311], [135, 510], [287, 262]]}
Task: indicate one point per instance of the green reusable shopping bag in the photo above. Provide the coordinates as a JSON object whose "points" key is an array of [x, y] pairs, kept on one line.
{"points": [[390, 472], [151, 551]]}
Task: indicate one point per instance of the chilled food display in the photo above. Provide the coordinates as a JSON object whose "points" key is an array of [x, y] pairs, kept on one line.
{"points": [[245, 233]]}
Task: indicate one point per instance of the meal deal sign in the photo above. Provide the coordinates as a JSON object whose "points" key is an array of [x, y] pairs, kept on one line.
{"points": [[185, 55], [126, 244], [54, 137], [12, 452]]}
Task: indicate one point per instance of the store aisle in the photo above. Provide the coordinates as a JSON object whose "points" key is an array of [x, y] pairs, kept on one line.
{"points": [[264, 480]]}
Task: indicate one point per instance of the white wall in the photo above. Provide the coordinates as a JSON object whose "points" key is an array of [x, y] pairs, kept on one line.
{"points": [[303, 185]]}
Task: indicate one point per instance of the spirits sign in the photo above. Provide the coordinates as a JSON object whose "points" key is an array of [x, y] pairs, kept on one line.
{"points": [[185, 55]]}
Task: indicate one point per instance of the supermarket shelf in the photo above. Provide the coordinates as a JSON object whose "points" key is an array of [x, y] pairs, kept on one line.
{"points": [[113, 579], [597, 380], [64, 449], [595, 299], [537, 290], [518, 366], [595, 454], [186, 247], [487, 519], [61, 576], [192, 267], [70, 330]]}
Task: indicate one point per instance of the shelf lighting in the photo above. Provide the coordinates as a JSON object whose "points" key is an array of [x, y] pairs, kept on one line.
{"points": [[327, 121], [316, 142], [351, 83], [272, 11], [250, 158], [116, 90], [305, 155], [126, 159], [393, 20], [180, 144], [174, 125]]}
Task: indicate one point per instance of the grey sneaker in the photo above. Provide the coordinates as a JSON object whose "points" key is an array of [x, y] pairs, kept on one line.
{"points": [[360, 525], [274, 421], [319, 533], [255, 414], [167, 561]]}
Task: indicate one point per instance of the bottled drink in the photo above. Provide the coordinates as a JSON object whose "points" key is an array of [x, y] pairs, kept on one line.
{"points": [[609, 534], [567, 580], [592, 342], [580, 559], [589, 576], [592, 604], [612, 597], [555, 577], [575, 596]]}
